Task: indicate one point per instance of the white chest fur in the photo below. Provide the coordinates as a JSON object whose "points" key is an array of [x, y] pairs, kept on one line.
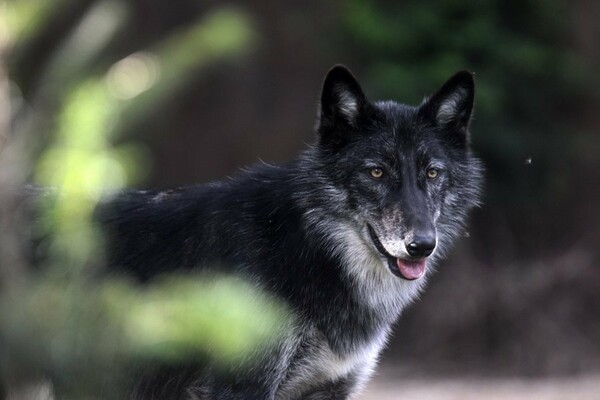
{"points": [[318, 364]]}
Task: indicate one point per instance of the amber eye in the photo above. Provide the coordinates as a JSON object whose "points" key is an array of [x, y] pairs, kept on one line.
{"points": [[376, 173], [432, 173]]}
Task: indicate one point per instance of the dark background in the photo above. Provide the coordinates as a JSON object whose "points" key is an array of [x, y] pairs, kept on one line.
{"points": [[519, 295]]}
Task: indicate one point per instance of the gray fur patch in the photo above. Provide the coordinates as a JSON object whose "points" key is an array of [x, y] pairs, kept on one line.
{"points": [[450, 107], [347, 104]]}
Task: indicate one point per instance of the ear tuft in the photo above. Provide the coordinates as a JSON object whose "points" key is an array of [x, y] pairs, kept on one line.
{"points": [[452, 105], [450, 108], [347, 103], [342, 100]]}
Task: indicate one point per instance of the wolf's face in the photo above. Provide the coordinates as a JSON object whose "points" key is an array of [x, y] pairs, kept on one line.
{"points": [[406, 173]]}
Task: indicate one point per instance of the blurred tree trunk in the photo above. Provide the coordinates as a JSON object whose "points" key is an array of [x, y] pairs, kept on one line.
{"points": [[586, 38]]}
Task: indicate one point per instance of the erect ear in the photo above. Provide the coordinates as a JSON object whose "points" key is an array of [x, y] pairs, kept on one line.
{"points": [[342, 101], [451, 107]]}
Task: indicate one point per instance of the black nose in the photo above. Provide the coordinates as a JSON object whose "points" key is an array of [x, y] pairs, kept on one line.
{"points": [[421, 246]]}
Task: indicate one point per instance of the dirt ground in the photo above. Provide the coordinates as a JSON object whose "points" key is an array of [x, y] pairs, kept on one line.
{"points": [[385, 386]]}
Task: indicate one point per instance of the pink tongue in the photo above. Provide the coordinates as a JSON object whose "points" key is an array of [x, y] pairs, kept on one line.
{"points": [[411, 269]]}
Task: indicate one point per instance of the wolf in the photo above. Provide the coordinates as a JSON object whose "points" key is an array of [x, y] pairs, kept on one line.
{"points": [[346, 235]]}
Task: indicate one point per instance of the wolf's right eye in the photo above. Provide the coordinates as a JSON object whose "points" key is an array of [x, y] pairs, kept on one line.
{"points": [[376, 173], [432, 173]]}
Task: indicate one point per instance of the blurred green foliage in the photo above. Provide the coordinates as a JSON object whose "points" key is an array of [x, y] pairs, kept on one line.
{"points": [[22, 18], [84, 333], [221, 318]]}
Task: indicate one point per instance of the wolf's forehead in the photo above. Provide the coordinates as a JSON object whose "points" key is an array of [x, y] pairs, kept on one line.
{"points": [[398, 119], [396, 112], [394, 120], [391, 150], [397, 135]]}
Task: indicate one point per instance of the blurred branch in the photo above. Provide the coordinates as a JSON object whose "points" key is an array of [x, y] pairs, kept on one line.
{"points": [[12, 175], [55, 20]]}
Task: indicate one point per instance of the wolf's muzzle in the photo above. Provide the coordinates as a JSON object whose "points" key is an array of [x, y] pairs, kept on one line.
{"points": [[409, 269]]}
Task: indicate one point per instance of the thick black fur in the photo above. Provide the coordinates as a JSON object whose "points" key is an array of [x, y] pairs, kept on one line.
{"points": [[284, 228]]}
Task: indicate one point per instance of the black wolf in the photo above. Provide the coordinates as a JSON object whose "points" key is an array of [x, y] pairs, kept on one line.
{"points": [[345, 235]]}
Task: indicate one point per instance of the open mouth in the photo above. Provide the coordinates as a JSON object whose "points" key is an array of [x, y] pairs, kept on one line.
{"points": [[409, 269]]}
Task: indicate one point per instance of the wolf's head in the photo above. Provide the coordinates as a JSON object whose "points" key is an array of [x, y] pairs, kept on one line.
{"points": [[401, 177]]}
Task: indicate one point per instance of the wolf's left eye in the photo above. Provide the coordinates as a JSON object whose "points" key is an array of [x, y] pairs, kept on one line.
{"points": [[432, 173], [376, 173]]}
